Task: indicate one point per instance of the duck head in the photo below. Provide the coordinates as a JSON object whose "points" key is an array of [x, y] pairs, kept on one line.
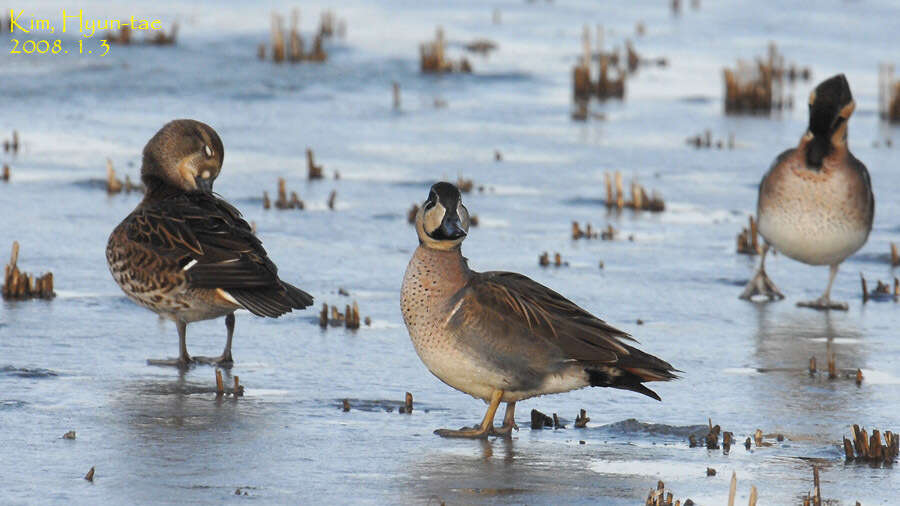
{"points": [[442, 222], [830, 107], [184, 154]]}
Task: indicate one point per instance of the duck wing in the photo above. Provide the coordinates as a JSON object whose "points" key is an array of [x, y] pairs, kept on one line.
{"points": [[216, 249], [529, 317]]}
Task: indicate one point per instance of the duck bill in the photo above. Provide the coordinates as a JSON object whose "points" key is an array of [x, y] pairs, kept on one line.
{"points": [[452, 229], [204, 184]]}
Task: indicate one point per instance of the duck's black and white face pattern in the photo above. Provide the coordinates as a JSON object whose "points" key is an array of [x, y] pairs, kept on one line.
{"points": [[185, 154], [443, 220], [830, 106]]}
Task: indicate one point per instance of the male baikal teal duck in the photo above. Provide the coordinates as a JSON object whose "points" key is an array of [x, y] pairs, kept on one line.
{"points": [[815, 203], [501, 337]]}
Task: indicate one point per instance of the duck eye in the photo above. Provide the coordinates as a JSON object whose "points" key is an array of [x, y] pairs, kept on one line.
{"points": [[207, 151]]}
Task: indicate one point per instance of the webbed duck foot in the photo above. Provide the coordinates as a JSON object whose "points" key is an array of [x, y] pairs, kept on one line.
{"points": [[504, 431], [479, 431], [476, 432], [824, 304], [180, 362], [761, 286], [223, 360], [184, 360]]}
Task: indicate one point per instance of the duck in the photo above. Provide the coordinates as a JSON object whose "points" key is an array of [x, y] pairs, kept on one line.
{"points": [[501, 336], [815, 203], [187, 254]]}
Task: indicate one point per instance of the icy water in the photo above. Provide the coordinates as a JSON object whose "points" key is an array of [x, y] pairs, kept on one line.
{"points": [[154, 435]]}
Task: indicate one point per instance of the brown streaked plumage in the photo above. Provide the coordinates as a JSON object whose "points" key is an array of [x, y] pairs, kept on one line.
{"points": [[186, 254], [815, 203], [500, 336]]}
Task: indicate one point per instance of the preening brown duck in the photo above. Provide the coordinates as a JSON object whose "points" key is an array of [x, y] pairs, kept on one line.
{"points": [[186, 254], [500, 336], [815, 203]]}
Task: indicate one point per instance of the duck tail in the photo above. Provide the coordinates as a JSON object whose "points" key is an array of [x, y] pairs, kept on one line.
{"points": [[299, 299], [272, 302], [631, 371]]}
